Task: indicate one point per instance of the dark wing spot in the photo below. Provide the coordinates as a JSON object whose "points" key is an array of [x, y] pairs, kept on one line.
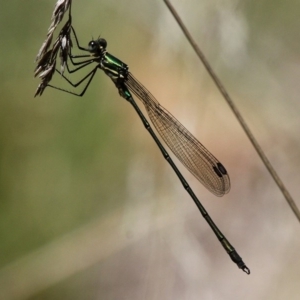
{"points": [[217, 171], [221, 168]]}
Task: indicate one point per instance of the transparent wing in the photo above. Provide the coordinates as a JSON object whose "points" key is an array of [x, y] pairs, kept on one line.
{"points": [[195, 157]]}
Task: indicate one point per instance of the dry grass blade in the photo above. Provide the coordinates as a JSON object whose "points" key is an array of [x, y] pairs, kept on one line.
{"points": [[236, 112], [46, 59]]}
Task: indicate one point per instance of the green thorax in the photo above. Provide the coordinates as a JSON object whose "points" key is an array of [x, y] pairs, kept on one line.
{"points": [[113, 67]]}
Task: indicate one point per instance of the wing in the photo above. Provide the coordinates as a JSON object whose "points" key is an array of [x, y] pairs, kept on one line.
{"points": [[195, 157]]}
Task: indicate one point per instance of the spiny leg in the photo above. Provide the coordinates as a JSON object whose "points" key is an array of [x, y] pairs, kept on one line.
{"points": [[81, 65], [74, 63], [71, 56], [76, 39], [89, 76]]}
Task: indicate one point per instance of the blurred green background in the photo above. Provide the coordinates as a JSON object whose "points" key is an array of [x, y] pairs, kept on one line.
{"points": [[88, 207]]}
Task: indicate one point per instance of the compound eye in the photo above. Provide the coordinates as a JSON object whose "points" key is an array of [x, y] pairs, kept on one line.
{"points": [[92, 46], [102, 43]]}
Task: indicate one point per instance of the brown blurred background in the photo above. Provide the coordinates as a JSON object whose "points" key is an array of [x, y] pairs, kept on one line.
{"points": [[89, 209]]}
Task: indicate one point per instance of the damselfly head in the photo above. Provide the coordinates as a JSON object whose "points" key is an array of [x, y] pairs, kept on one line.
{"points": [[97, 45]]}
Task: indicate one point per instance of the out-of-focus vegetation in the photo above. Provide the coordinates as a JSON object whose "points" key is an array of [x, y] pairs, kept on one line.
{"points": [[88, 207]]}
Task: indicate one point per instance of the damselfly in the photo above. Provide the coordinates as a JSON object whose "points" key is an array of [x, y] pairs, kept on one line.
{"points": [[196, 158]]}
